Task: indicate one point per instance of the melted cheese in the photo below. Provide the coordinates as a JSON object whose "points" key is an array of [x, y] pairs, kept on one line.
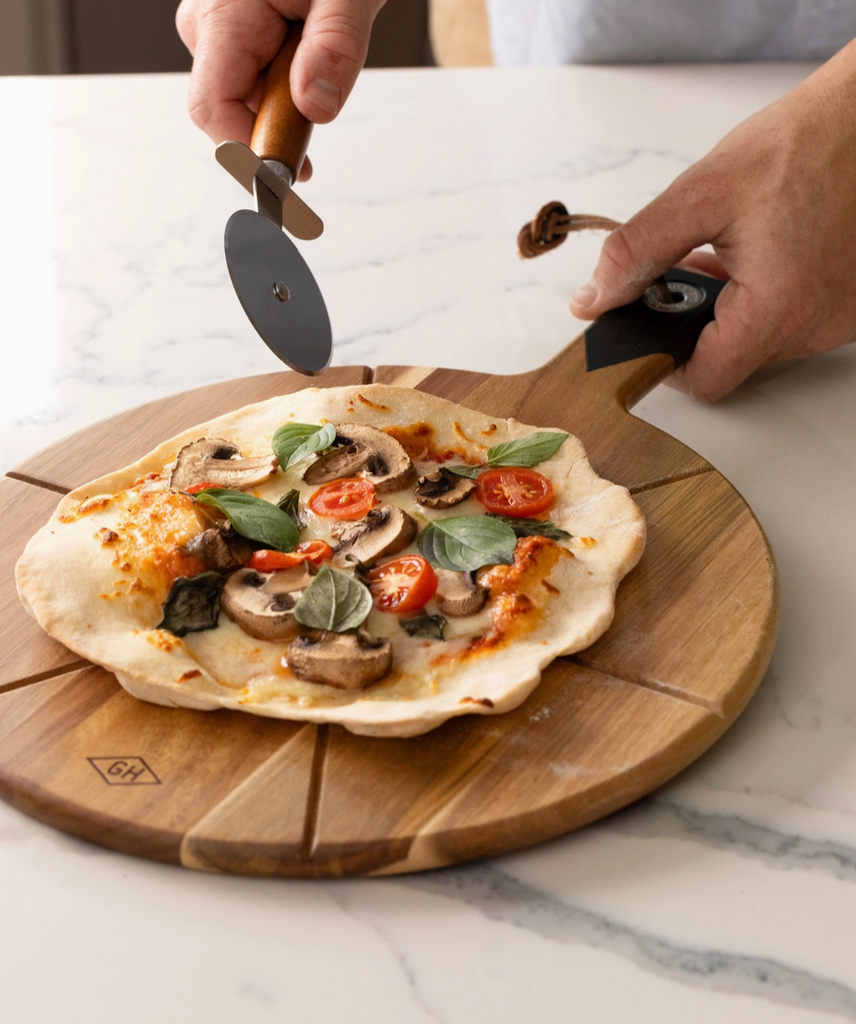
{"points": [[155, 524]]}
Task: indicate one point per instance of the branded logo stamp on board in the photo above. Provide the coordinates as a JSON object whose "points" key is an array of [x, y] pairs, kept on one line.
{"points": [[124, 771]]}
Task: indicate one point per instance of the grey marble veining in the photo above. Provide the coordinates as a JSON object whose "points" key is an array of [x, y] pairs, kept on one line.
{"points": [[501, 898], [657, 817]]}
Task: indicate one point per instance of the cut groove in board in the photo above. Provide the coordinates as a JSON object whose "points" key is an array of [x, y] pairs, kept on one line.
{"points": [[313, 796], [666, 480], [698, 614], [657, 686], [476, 787], [44, 484], [262, 823], [18, 705], [47, 764], [241, 794], [17, 684]]}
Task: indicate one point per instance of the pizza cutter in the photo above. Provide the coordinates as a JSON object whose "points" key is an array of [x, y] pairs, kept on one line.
{"points": [[271, 279]]}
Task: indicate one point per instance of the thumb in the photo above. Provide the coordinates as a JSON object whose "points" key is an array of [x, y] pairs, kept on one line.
{"points": [[331, 54], [635, 253]]}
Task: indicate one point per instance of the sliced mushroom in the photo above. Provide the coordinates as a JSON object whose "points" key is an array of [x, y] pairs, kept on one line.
{"points": [[365, 450], [221, 550], [342, 461], [442, 489], [384, 531], [211, 460], [262, 603], [458, 594], [349, 661]]}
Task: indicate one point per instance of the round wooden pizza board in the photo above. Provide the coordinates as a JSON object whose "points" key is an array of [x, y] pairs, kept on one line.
{"points": [[694, 630]]}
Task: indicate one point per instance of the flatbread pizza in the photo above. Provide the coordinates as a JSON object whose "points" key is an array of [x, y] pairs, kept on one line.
{"points": [[369, 556]]}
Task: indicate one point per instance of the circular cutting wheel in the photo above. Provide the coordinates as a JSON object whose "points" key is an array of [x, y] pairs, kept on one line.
{"points": [[278, 292]]}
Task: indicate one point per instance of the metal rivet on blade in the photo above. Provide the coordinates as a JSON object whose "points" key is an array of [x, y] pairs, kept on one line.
{"points": [[281, 292]]}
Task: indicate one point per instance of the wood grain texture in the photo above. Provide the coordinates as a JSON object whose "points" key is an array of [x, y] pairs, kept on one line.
{"points": [[196, 759], [266, 821], [712, 556], [281, 132], [565, 757], [694, 629], [121, 440]]}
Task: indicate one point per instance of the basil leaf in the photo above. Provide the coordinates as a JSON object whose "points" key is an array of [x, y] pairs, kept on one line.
{"points": [[253, 518], [193, 604], [471, 472], [467, 543], [294, 442], [532, 527], [333, 601], [429, 626], [290, 504], [526, 451]]}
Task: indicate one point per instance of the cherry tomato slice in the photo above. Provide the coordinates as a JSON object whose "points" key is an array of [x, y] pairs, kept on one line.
{"points": [[514, 492], [404, 584], [351, 498], [314, 551]]}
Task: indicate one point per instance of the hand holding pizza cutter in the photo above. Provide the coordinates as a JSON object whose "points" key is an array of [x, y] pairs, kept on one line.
{"points": [[274, 285]]}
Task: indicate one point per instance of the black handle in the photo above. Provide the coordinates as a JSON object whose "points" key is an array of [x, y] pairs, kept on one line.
{"points": [[638, 329]]}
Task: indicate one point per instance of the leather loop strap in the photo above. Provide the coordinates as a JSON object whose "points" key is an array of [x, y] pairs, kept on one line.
{"points": [[553, 224]]}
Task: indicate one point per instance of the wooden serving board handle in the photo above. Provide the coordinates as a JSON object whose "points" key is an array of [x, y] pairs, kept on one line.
{"points": [[281, 132]]}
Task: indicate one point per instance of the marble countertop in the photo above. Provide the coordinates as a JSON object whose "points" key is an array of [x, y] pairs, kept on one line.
{"points": [[731, 892]]}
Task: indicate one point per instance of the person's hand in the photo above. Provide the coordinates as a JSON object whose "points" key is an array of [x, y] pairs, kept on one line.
{"points": [[233, 40], [777, 201]]}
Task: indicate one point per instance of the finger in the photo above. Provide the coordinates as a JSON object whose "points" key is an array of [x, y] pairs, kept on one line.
{"points": [[305, 171], [185, 23], [739, 340], [225, 77], [331, 54], [656, 238]]}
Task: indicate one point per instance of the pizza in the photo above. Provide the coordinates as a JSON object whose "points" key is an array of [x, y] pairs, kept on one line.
{"points": [[369, 556]]}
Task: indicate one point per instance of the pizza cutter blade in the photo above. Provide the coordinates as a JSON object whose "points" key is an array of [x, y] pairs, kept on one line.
{"points": [[278, 292], [274, 285]]}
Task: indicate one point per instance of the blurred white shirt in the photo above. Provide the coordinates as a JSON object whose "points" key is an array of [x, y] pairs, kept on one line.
{"points": [[549, 32]]}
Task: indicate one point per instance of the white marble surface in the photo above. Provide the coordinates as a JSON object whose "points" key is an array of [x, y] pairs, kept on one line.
{"points": [[731, 893]]}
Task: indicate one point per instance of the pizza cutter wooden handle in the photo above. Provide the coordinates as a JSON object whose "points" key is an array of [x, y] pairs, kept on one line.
{"points": [[282, 132]]}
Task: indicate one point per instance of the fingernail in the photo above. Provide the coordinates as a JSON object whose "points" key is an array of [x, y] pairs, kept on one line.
{"points": [[324, 94], [586, 295]]}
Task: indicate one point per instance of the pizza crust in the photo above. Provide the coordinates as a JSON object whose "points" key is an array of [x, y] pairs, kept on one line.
{"points": [[68, 579]]}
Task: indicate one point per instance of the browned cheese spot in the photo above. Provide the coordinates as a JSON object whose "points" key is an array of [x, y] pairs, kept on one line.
{"points": [[163, 641], [373, 405], [85, 508]]}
